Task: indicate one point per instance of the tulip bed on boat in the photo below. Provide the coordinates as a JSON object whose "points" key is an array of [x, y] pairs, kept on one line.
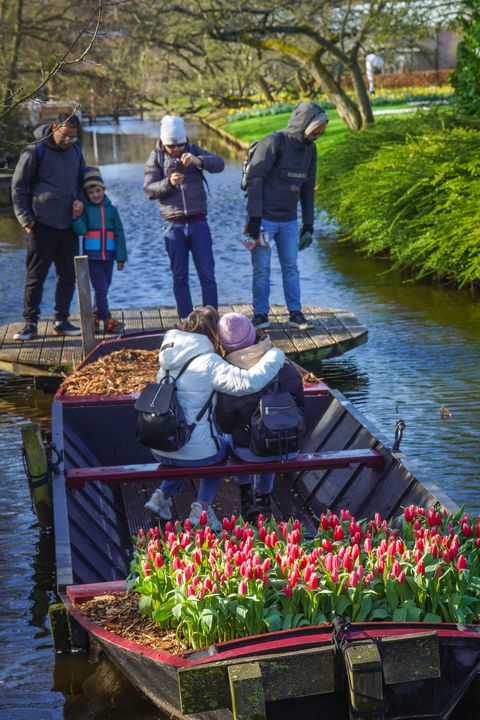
{"points": [[248, 580]]}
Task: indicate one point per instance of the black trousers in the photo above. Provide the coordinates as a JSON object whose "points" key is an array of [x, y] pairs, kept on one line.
{"points": [[46, 245]]}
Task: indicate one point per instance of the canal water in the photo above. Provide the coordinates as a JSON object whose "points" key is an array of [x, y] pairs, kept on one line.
{"points": [[423, 354]]}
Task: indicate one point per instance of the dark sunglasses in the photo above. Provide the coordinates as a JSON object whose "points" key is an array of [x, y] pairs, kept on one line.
{"points": [[176, 145]]}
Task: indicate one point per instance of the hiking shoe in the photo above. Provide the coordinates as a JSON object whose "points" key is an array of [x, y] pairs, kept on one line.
{"points": [[298, 320], [28, 332], [64, 327], [160, 504], [264, 504], [248, 506], [260, 322], [113, 326], [212, 520]]}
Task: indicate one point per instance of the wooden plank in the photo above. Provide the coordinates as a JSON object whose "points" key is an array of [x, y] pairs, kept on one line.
{"points": [[246, 690], [114, 473], [151, 319], [408, 658], [85, 303], [206, 687], [364, 673]]}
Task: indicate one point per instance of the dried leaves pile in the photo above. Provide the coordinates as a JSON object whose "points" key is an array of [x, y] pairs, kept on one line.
{"points": [[119, 614], [119, 373]]}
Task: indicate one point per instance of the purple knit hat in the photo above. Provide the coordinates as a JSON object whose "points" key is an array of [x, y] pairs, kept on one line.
{"points": [[235, 332]]}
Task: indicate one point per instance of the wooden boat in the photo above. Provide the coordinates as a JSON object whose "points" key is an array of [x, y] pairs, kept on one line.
{"points": [[381, 670]]}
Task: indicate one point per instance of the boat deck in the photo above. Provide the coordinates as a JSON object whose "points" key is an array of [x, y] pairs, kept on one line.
{"points": [[333, 332]]}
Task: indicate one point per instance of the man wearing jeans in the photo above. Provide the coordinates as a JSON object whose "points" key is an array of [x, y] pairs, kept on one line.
{"points": [[280, 175], [174, 176]]}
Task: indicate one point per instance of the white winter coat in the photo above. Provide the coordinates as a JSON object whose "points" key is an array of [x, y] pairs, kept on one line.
{"points": [[204, 374]]}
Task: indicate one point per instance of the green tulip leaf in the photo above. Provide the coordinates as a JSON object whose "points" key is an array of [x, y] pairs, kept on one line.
{"points": [[379, 614], [432, 618], [364, 610], [400, 614], [414, 614]]}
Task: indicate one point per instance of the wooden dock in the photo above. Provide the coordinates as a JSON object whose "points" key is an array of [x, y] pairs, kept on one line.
{"points": [[333, 332]]}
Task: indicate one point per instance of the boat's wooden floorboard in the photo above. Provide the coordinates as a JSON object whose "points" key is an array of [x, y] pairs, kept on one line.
{"points": [[287, 503], [332, 333]]}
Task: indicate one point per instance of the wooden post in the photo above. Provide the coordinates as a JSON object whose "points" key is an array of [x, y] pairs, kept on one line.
{"points": [[59, 628], [85, 304], [364, 673], [248, 697], [37, 470]]}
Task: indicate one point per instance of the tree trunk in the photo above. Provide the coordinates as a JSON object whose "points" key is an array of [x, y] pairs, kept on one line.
{"points": [[345, 107], [265, 88], [361, 92], [12, 75]]}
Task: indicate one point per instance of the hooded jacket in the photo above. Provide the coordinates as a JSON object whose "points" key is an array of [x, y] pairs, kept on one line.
{"points": [[275, 186], [44, 191], [188, 199], [206, 373], [233, 414], [102, 230]]}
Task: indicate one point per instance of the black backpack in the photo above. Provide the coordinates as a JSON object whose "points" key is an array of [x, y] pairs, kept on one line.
{"points": [[161, 422], [279, 149], [277, 427]]}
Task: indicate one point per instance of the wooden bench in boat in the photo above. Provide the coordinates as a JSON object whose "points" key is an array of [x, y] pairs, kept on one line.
{"points": [[371, 458]]}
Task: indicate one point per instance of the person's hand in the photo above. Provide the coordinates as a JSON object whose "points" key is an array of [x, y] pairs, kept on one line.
{"points": [[305, 238], [77, 209], [189, 159], [176, 178], [28, 228], [120, 265], [252, 227]]}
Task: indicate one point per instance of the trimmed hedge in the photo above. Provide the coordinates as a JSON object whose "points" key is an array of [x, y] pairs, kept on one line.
{"points": [[409, 189]]}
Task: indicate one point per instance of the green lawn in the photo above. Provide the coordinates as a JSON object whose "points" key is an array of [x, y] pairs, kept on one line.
{"points": [[257, 127]]}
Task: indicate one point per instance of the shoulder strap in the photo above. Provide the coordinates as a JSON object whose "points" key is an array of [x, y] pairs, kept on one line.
{"points": [[204, 408], [160, 155], [39, 152], [279, 145]]}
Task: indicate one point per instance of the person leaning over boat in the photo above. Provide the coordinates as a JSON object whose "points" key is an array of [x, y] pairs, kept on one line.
{"points": [[244, 348], [206, 373], [278, 178], [174, 176], [103, 243], [46, 192]]}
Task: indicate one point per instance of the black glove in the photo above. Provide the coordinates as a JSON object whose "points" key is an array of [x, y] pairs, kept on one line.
{"points": [[252, 227], [305, 237]]}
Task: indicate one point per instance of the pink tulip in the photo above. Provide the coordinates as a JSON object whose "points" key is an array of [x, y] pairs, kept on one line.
{"points": [[367, 545], [420, 568], [353, 579], [243, 588], [288, 591], [313, 582], [158, 560], [402, 577]]}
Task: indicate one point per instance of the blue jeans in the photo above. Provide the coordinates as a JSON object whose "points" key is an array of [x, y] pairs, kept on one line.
{"points": [[208, 485], [263, 482], [101, 277], [285, 234], [180, 238]]}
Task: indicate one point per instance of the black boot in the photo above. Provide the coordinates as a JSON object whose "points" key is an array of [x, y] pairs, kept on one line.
{"points": [[264, 504], [248, 508]]}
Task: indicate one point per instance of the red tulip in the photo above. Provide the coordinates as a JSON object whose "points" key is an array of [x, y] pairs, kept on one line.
{"points": [[462, 564], [243, 588], [338, 533], [313, 582]]}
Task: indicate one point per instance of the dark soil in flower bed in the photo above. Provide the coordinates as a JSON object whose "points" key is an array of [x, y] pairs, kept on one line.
{"points": [[119, 614]]}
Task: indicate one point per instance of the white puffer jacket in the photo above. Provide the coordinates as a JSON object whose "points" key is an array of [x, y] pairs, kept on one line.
{"points": [[204, 374]]}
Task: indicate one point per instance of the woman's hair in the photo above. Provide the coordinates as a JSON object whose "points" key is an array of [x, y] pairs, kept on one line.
{"points": [[204, 321]]}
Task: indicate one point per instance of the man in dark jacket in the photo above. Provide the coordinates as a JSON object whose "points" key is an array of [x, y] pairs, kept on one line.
{"points": [[174, 176], [282, 173], [46, 194]]}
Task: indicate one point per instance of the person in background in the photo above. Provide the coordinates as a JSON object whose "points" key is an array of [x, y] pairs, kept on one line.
{"points": [[276, 184], [46, 192], [103, 243], [373, 66], [174, 176], [244, 348], [208, 372]]}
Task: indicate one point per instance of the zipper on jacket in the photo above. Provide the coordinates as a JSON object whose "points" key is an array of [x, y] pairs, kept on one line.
{"points": [[103, 234]]}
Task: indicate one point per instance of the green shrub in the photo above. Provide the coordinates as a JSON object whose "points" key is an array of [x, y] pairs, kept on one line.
{"points": [[410, 190]]}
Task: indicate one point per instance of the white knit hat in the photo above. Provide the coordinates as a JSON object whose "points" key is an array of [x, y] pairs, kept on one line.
{"points": [[172, 130]]}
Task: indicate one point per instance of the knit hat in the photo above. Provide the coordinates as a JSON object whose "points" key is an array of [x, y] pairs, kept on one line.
{"points": [[235, 332], [91, 177], [172, 130]]}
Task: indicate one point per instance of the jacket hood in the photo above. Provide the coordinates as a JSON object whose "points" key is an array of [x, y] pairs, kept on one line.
{"points": [[42, 131], [179, 346], [301, 118]]}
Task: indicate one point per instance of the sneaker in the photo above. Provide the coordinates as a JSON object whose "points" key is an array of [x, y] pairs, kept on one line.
{"points": [[212, 520], [264, 504], [113, 326], [260, 322], [64, 327], [96, 323], [248, 506], [160, 504], [298, 320], [28, 332]]}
